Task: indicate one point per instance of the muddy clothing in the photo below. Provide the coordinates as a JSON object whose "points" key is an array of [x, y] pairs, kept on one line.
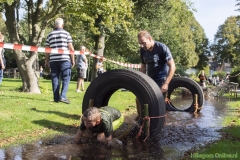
{"points": [[108, 115], [156, 61]]}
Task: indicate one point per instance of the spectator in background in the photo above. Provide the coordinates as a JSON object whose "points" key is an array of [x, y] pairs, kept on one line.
{"points": [[217, 80], [202, 77], [2, 58], [99, 66], [81, 68], [214, 81], [41, 71], [227, 77], [60, 64], [210, 80]]}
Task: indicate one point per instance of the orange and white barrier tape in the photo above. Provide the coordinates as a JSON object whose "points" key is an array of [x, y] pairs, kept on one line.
{"points": [[37, 49], [59, 51]]}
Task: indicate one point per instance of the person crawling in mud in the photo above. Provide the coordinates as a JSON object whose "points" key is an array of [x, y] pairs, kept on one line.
{"points": [[102, 121]]}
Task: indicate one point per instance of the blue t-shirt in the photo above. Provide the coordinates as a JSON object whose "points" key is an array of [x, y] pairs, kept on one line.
{"points": [[156, 61]]}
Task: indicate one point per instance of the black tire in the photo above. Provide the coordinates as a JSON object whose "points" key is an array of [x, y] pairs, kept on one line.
{"points": [[192, 86], [143, 87]]}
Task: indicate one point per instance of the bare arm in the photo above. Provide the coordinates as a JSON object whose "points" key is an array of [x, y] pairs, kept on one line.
{"points": [[78, 136], [47, 56], [86, 61], [143, 68], [70, 47], [171, 71], [1, 60], [109, 138]]}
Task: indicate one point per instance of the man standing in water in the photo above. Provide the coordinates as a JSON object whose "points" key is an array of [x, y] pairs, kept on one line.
{"points": [[156, 61]]}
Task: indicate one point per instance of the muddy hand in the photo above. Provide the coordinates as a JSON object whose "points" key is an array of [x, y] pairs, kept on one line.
{"points": [[115, 143]]}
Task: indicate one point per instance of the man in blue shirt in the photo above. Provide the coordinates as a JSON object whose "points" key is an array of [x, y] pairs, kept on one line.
{"points": [[60, 64], [156, 61]]}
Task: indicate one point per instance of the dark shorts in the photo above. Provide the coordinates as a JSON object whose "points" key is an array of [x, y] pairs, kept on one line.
{"points": [[160, 82], [81, 72]]}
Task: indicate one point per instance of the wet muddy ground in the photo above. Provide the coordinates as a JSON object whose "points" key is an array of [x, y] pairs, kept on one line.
{"points": [[183, 131]]}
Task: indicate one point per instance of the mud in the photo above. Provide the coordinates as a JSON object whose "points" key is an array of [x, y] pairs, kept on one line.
{"points": [[183, 131]]}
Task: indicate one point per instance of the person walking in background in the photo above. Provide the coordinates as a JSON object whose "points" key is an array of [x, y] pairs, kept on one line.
{"points": [[156, 61], [60, 64], [41, 71], [99, 66], [82, 64], [2, 58]]}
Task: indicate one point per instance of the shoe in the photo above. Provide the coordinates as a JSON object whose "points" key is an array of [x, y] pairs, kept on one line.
{"points": [[78, 90], [64, 100]]}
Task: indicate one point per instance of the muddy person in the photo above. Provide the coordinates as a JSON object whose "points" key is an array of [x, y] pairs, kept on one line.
{"points": [[156, 61], [102, 121]]}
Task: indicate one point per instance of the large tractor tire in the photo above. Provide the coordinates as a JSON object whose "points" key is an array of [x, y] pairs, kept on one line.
{"points": [[142, 86], [192, 86]]}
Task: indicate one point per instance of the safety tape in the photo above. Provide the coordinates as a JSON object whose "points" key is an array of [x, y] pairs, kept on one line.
{"points": [[60, 51]]}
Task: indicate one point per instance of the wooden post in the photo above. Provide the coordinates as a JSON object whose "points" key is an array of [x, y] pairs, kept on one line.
{"points": [[146, 114], [91, 103], [195, 102]]}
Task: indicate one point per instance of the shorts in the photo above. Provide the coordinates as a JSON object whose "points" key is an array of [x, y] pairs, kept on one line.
{"points": [[81, 73], [160, 82]]}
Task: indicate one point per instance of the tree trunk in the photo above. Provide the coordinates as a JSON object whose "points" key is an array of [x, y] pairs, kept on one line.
{"points": [[99, 47], [25, 65]]}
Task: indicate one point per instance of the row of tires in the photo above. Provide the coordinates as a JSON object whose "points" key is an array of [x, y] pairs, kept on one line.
{"points": [[144, 88]]}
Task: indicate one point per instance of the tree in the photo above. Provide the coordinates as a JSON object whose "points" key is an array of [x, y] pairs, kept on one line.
{"points": [[173, 23], [201, 44], [38, 18], [226, 42], [101, 18]]}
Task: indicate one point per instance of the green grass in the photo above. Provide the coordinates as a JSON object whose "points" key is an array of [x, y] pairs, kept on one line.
{"points": [[26, 117], [230, 141]]}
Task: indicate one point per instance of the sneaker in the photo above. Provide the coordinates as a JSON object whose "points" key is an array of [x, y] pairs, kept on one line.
{"points": [[78, 90], [64, 100]]}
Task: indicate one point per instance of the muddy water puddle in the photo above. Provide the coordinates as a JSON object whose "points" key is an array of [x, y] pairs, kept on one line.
{"points": [[183, 131]]}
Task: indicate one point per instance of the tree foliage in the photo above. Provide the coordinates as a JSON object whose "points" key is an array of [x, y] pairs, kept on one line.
{"points": [[226, 42], [107, 27], [100, 15], [37, 19]]}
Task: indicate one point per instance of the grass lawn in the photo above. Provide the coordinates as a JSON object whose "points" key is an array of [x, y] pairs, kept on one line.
{"points": [[26, 117], [228, 147]]}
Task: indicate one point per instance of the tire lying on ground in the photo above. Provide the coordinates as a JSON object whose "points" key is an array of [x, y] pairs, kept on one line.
{"points": [[143, 87], [192, 86]]}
